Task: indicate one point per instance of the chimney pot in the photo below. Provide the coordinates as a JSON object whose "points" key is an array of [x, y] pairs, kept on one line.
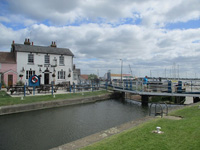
{"points": [[27, 42]]}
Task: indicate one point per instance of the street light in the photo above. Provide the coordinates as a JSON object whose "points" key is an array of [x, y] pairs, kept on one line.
{"points": [[121, 68]]}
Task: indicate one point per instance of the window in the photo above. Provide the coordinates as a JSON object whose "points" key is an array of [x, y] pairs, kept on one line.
{"points": [[47, 59], [29, 73], [61, 60], [30, 58], [75, 77], [61, 74]]}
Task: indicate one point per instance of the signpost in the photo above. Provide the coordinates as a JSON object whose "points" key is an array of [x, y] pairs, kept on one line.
{"points": [[34, 81]]}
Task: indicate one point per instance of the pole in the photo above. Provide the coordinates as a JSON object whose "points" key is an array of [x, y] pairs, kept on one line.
{"points": [[24, 90], [121, 68], [52, 88]]}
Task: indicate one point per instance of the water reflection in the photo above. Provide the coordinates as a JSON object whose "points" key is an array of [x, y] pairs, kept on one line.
{"points": [[49, 128]]}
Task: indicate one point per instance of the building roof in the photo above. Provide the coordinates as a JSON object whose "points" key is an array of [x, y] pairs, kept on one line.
{"points": [[7, 57], [84, 76], [119, 75], [41, 49]]}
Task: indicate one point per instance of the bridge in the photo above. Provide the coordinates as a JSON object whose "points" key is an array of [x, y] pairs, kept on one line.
{"points": [[170, 88]]}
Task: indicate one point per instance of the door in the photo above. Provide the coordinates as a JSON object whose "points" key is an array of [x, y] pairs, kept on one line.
{"points": [[46, 78], [10, 80]]}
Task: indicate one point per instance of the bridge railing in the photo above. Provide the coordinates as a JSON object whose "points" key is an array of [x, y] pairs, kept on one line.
{"points": [[166, 86]]}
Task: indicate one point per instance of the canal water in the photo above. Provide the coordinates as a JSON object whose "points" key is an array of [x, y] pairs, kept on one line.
{"points": [[48, 128]]}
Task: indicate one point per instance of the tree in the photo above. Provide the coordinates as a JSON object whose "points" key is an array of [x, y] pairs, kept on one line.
{"points": [[93, 78]]}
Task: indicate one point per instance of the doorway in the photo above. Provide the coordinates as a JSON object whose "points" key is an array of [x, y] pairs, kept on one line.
{"points": [[46, 78], [10, 80]]}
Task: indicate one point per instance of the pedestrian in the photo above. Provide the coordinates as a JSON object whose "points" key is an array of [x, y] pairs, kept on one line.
{"points": [[145, 82]]}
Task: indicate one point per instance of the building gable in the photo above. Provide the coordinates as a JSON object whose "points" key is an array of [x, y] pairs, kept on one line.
{"points": [[10, 71]]}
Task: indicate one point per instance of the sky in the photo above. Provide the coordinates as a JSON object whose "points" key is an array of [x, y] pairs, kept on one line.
{"points": [[143, 37]]}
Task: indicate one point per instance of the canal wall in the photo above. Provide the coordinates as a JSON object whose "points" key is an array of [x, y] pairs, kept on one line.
{"points": [[51, 104]]}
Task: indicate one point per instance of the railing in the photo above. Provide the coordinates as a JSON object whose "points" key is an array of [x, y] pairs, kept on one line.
{"points": [[160, 109], [51, 89], [166, 86]]}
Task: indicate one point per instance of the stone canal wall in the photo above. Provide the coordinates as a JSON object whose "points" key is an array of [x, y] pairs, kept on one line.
{"points": [[50, 104]]}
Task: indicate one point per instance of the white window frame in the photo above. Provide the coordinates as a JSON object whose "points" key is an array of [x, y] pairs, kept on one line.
{"points": [[61, 74], [29, 73], [61, 60], [30, 58], [46, 59]]}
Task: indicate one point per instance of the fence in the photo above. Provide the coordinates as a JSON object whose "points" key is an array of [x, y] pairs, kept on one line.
{"points": [[166, 86], [52, 89]]}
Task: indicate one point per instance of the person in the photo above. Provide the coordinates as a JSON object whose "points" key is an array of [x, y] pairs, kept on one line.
{"points": [[145, 81]]}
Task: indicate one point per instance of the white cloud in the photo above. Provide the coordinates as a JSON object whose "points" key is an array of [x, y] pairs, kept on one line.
{"points": [[100, 45], [61, 12]]}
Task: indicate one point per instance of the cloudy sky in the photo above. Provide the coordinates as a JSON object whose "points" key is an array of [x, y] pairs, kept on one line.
{"points": [[153, 37]]}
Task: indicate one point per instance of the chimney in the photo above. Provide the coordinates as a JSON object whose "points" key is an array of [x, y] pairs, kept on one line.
{"points": [[53, 44], [13, 42], [32, 43], [27, 42]]}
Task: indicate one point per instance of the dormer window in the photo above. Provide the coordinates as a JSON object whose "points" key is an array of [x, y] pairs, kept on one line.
{"points": [[47, 59], [30, 58], [61, 60]]}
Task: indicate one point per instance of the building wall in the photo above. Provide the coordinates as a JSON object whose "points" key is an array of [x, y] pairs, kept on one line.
{"points": [[5, 77], [22, 62], [6, 67], [10, 69]]}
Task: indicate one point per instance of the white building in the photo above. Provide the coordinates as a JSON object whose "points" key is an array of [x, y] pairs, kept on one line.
{"points": [[52, 64]]}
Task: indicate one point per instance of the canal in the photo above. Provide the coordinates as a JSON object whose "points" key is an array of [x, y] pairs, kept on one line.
{"points": [[48, 128]]}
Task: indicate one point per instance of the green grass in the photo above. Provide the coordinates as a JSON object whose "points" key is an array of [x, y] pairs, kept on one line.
{"points": [[5, 99], [181, 134], [168, 99]]}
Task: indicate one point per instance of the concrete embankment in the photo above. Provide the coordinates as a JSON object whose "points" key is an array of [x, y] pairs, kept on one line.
{"points": [[50, 104], [101, 135]]}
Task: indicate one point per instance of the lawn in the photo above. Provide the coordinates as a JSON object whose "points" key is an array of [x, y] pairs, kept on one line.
{"points": [[181, 134], [6, 99]]}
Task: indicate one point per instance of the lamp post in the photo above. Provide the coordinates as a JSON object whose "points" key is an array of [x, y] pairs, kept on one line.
{"points": [[121, 68]]}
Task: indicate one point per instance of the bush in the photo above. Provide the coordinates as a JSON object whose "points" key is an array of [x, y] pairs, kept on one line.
{"points": [[20, 83]]}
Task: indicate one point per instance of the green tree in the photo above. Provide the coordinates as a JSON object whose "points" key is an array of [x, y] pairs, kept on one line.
{"points": [[93, 78]]}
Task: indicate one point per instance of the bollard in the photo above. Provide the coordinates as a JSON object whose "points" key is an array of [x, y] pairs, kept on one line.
{"points": [[73, 87], [179, 88], [24, 90], [169, 86], [33, 90], [70, 89], [126, 85], [52, 89], [92, 86]]}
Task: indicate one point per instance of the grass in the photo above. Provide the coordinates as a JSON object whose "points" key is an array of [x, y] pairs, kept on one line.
{"points": [[6, 99], [168, 99], [181, 134]]}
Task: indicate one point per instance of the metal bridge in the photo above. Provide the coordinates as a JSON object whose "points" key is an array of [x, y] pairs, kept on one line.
{"points": [[157, 88]]}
